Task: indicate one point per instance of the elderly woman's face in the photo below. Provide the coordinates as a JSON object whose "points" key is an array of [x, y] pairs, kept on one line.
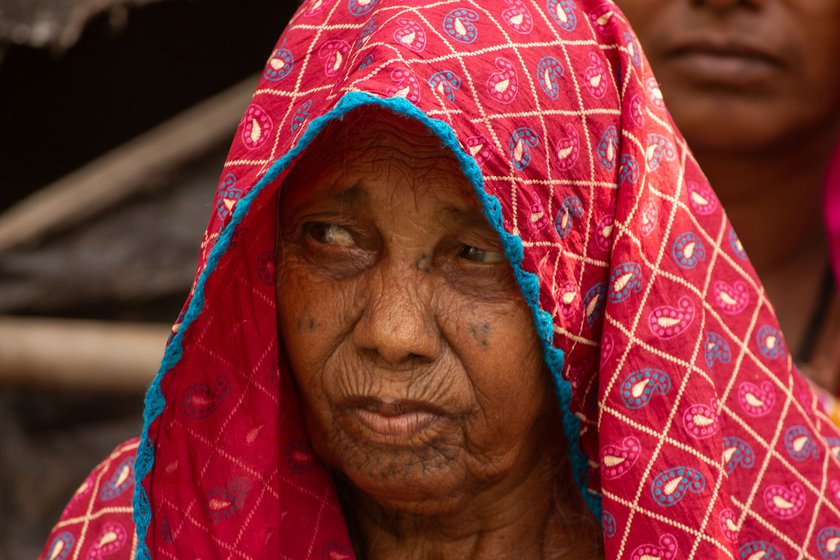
{"points": [[412, 347], [743, 73]]}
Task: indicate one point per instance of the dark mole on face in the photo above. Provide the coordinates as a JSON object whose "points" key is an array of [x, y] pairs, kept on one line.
{"points": [[307, 324], [423, 264], [480, 334]]}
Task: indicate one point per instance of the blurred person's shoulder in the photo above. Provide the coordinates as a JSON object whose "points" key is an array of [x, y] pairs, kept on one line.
{"points": [[98, 518]]}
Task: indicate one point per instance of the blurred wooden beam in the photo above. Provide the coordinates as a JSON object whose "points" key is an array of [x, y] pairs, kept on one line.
{"points": [[125, 170], [57, 24], [80, 355]]}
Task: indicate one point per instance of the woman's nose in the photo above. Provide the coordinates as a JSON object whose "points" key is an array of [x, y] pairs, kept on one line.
{"points": [[398, 327]]}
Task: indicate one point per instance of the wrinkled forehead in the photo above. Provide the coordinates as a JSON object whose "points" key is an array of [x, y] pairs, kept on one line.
{"points": [[373, 145]]}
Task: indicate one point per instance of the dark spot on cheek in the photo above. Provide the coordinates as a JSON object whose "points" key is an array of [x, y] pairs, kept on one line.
{"points": [[307, 324], [481, 334], [424, 264]]}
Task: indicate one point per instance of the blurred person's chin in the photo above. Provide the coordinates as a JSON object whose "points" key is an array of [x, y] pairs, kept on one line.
{"points": [[744, 78], [719, 117]]}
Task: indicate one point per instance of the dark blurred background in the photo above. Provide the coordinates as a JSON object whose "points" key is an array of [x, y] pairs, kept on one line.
{"points": [[115, 118]]}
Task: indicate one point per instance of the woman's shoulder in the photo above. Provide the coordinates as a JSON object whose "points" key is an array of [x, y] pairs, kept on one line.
{"points": [[98, 519]]}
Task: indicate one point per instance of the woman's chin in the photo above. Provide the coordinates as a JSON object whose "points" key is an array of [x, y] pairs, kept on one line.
{"points": [[410, 480], [410, 495]]}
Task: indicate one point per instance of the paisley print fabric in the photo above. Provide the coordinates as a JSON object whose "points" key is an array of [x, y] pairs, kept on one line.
{"points": [[97, 522], [690, 433]]}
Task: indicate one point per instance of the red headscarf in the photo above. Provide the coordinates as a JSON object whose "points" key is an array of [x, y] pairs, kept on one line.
{"points": [[690, 433]]}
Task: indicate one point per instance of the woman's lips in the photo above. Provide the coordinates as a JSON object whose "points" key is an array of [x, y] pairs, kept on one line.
{"points": [[402, 426], [399, 420]]}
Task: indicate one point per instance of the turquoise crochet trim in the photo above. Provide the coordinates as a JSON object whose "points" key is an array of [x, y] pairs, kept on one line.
{"points": [[528, 283]]}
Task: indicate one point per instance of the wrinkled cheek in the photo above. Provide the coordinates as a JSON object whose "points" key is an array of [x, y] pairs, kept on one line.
{"points": [[323, 431], [495, 447], [313, 321], [507, 379], [313, 313]]}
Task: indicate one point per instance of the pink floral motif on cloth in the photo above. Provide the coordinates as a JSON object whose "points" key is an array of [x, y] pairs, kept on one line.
{"points": [[691, 433]]}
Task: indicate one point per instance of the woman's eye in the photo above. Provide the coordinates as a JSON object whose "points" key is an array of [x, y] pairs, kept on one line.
{"points": [[480, 255], [340, 251], [329, 234]]}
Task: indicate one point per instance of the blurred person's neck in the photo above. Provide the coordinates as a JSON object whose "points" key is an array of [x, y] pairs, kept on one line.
{"points": [[773, 198]]}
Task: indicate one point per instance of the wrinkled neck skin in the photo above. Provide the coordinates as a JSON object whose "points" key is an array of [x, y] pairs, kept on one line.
{"points": [[530, 514], [773, 196]]}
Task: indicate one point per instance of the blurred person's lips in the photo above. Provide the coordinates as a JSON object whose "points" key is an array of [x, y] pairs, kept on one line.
{"points": [[723, 61]]}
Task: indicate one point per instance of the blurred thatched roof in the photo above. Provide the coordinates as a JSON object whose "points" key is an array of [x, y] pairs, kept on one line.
{"points": [[56, 24]]}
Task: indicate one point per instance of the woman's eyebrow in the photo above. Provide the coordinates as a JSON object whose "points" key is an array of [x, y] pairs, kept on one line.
{"points": [[458, 217], [352, 195]]}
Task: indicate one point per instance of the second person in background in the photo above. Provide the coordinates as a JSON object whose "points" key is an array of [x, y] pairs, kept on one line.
{"points": [[754, 87]]}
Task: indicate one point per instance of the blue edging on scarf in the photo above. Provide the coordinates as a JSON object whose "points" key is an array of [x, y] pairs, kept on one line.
{"points": [[528, 284]]}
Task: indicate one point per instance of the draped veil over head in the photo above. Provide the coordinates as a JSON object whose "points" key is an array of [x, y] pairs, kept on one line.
{"points": [[689, 431]]}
